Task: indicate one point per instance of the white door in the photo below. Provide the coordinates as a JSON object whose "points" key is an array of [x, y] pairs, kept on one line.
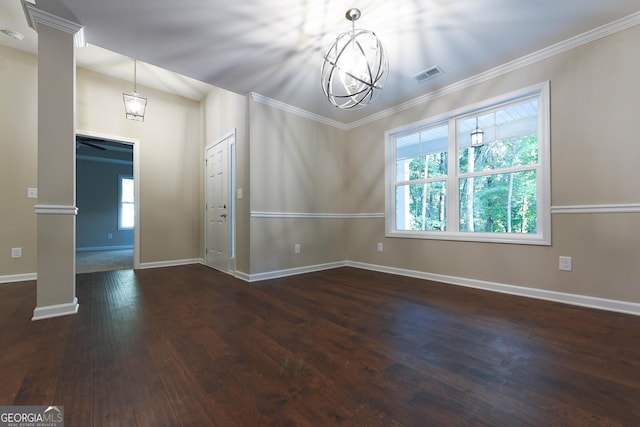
{"points": [[218, 207]]}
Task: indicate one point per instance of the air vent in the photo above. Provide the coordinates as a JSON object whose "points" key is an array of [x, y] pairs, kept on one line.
{"points": [[428, 74]]}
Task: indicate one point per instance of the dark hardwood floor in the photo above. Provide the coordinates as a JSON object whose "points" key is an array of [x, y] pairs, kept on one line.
{"points": [[194, 347]]}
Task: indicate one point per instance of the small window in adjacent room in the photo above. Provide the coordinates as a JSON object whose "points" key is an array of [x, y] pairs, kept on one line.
{"points": [[480, 173], [127, 202]]}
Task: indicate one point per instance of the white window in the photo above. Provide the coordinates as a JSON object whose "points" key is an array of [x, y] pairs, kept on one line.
{"points": [[126, 195], [440, 186]]}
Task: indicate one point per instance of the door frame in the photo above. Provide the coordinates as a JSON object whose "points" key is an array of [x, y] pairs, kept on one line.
{"points": [[136, 183], [231, 180]]}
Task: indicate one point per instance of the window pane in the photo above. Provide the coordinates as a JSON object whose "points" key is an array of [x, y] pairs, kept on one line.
{"points": [[510, 138], [421, 206], [127, 190], [501, 203], [126, 215], [403, 170], [429, 166], [422, 154], [500, 154]]}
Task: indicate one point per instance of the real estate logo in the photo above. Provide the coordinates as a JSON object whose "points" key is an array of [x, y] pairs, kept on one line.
{"points": [[31, 416]]}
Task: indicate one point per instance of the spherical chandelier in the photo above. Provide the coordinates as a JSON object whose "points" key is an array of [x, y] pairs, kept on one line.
{"points": [[355, 67]]}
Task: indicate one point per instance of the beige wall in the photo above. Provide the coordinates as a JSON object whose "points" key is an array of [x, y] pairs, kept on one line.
{"points": [[18, 164], [224, 111], [297, 166], [170, 150], [594, 158], [170, 168]]}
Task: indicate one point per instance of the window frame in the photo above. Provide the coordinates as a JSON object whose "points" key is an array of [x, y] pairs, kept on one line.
{"points": [[122, 177], [452, 232]]}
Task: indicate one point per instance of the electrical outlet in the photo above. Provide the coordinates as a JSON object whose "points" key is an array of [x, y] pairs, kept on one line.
{"points": [[32, 193], [380, 247], [16, 252], [109, 236], [565, 263], [296, 248]]}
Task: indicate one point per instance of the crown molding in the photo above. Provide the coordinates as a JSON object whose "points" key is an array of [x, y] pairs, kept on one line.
{"points": [[530, 59], [297, 111], [37, 16]]}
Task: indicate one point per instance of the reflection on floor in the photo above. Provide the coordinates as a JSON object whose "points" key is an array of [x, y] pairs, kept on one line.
{"points": [[92, 261]]}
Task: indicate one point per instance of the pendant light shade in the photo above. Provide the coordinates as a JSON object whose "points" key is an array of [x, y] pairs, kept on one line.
{"points": [[355, 67], [477, 136], [134, 104]]}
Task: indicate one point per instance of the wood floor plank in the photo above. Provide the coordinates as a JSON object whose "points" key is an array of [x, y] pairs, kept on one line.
{"points": [[181, 382], [189, 346], [41, 378], [75, 386]]}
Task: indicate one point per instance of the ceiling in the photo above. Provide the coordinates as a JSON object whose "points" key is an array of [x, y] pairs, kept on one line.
{"points": [[275, 49]]}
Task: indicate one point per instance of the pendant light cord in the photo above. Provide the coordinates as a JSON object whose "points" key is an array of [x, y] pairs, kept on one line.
{"points": [[135, 90]]}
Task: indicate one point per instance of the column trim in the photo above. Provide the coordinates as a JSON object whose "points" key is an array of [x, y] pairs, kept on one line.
{"points": [[36, 16], [55, 210], [56, 310]]}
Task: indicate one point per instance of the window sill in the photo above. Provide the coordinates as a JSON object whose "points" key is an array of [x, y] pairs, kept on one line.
{"points": [[513, 238]]}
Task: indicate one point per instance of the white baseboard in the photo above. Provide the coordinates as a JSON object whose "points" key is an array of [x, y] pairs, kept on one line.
{"points": [[18, 277], [562, 297], [57, 310], [292, 271], [242, 276], [174, 263], [103, 248]]}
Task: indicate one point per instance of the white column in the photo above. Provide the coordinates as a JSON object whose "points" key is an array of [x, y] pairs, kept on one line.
{"points": [[56, 210]]}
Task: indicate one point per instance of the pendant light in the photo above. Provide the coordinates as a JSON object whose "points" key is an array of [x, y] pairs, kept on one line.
{"points": [[134, 104], [477, 136], [355, 67]]}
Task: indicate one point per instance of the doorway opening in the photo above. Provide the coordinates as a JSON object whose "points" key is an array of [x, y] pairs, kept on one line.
{"points": [[106, 197]]}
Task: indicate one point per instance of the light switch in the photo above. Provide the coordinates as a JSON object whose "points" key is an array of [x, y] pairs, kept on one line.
{"points": [[239, 193]]}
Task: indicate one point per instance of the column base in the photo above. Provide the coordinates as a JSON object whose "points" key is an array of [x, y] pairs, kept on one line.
{"points": [[57, 310]]}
